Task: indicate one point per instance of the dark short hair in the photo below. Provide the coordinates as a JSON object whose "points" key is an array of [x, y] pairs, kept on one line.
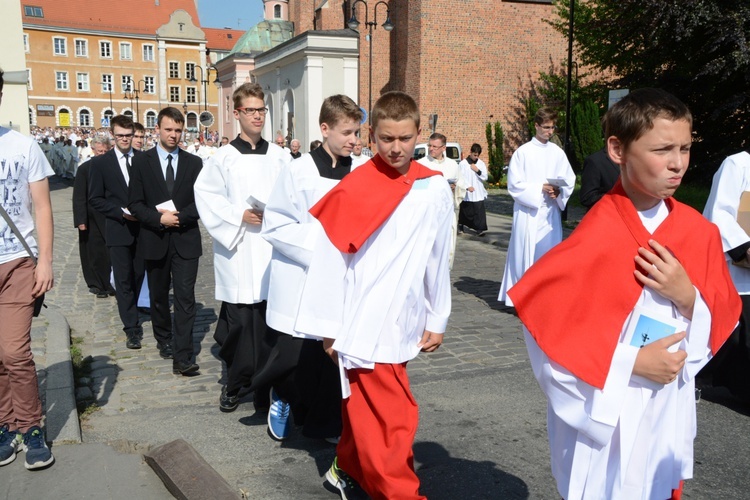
{"points": [[396, 106], [169, 112], [121, 121], [545, 114], [634, 114], [438, 135], [338, 107], [476, 148], [138, 127]]}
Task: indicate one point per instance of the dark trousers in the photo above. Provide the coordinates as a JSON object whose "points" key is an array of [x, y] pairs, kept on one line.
{"points": [[182, 274], [127, 267], [94, 259]]}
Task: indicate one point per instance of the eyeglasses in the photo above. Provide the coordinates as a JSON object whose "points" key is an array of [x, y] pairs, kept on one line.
{"points": [[252, 111], [123, 136]]}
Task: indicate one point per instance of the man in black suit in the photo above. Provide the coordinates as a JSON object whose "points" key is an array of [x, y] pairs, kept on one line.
{"points": [[161, 198], [108, 193], [90, 224], [599, 176]]}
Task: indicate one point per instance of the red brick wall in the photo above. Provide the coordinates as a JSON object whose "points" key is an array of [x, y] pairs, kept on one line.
{"points": [[463, 60]]}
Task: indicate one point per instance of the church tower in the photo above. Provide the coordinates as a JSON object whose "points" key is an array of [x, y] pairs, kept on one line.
{"points": [[276, 10]]}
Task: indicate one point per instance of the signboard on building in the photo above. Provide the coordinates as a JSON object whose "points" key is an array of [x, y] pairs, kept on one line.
{"points": [[45, 110]]}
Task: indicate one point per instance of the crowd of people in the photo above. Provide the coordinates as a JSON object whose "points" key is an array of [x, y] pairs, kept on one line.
{"points": [[332, 268]]}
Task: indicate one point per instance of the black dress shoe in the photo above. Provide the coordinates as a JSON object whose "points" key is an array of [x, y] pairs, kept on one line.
{"points": [[94, 290], [102, 295], [228, 403], [133, 342], [185, 369], [165, 351]]}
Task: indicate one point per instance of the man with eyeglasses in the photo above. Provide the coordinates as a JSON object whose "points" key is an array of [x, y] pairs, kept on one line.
{"points": [[540, 180], [230, 194], [108, 193]]}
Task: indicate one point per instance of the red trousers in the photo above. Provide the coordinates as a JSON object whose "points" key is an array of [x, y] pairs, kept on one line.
{"points": [[380, 421]]}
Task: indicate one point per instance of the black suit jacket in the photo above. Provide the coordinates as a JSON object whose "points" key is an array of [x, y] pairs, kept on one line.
{"points": [[599, 176], [83, 212], [108, 194], [148, 189]]}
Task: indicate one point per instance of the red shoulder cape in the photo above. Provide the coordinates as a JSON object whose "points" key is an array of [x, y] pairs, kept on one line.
{"points": [[363, 200], [575, 299]]}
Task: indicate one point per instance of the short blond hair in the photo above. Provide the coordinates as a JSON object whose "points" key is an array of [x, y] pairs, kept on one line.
{"points": [[396, 106]]}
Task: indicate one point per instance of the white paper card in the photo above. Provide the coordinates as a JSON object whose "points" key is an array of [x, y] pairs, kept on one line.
{"points": [[557, 182], [646, 326], [167, 205], [256, 203]]}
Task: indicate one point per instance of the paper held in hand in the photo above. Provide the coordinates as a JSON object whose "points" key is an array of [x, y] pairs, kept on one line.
{"points": [[256, 203], [646, 326], [167, 205], [557, 181], [743, 219]]}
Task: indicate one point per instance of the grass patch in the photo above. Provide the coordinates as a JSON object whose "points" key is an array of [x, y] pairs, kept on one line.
{"points": [[694, 195], [86, 409]]}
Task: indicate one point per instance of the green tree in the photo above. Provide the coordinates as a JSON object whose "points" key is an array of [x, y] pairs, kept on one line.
{"points": [[495, 150], [697, 50], [586, 127]]}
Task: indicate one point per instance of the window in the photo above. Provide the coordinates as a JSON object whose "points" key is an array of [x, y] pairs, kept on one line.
{"points": [[174, 94], [148, 84], [126, 51], [82, 48], [127, 83], [82, 82], [30, 11], [107, 83], [277, 11], [61, 80], [105, 50], [148, 53], [190, 94], [174, 69], [150, 119], [26, 43], [29, 85], [59, 46], [84, 118], [189, 71]]}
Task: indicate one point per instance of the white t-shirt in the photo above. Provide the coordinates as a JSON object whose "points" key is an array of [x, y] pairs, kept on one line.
{"points": [[21, 162]]}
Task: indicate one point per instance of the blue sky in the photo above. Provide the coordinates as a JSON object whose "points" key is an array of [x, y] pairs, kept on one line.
{"points": [[235, 14]]}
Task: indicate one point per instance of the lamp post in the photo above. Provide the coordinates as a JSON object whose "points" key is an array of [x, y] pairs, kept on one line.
{"points": [[204, 81], [371, 25], [131, 93]]}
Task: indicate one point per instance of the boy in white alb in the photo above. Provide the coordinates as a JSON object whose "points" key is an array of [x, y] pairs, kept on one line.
{"points": [[537, 225], [378, 290], [229, 193], [302, 373], [621, 413]]}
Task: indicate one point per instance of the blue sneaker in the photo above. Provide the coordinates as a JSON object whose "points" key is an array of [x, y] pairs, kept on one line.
{"points": [[278, 417], [10, 443], [38, 454]]}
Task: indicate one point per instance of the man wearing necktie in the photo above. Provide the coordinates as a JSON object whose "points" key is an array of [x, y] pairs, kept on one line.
{"points": [[109, 177], [161, 198]]}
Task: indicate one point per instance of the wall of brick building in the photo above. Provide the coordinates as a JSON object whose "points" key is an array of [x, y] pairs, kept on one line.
{"points": [[463, 60]]}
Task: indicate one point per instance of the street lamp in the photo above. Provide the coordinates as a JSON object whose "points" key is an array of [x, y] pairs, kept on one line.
{"points": [[131, 93], [204, 81], [371, 25]]}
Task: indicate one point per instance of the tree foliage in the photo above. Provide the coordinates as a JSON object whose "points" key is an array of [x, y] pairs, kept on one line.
{"points": [[586, 129], [495, 150], [699, 50]]}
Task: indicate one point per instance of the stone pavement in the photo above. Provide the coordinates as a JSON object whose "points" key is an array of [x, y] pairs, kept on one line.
{"points": [[482, 426]]}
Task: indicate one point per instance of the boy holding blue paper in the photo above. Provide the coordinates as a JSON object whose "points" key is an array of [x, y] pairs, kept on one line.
{"points": [[621, 417]]}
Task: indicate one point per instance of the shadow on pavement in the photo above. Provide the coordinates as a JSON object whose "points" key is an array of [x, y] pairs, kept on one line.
{"points": [[446, 477], [487, 290]]}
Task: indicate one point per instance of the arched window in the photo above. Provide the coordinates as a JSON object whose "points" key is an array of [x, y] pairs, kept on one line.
{"points": [[108, 114], [150, 119], [84, 118], [63, 117], [192, 122], [277, 11], [128, 113]]}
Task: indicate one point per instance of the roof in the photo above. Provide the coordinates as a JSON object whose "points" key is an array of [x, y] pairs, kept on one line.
{"points": [[263, 36], [222, 38], [130, 16]]}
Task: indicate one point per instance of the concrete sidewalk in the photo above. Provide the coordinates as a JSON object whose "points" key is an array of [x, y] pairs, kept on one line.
{"points": [[482, 426]]}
